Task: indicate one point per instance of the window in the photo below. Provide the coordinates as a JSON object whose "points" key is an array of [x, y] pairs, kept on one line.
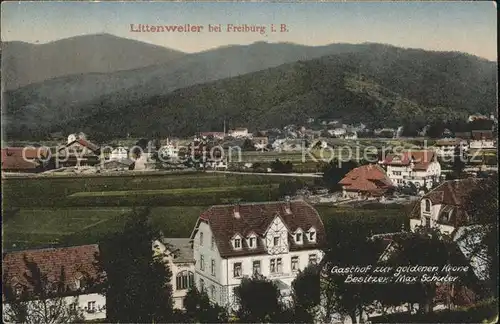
{"points": [[73, 306], [237, 243], [313, 259], [201, 238], [91, 306], [19, 290], [202, 284], [427, 221], [184, 280], [202, 262], [212, 246], [256, 267], [276, 265], [212, 292], [295, 263], [312, 235], [298, 238], [212, 267], [276, 240], [427, 205], [237, 271], [251, 242]]}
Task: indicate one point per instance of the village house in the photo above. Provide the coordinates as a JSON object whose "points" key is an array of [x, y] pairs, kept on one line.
{"points": [[215, 135], [349, 136], [366, 181], [119, 153], [178, 255], [449, 147], [239, 132], [72, 267], [273, 239], [337, 132], [78, 151], [482, 139], [420, 168], [444, 206], [25, 159]]}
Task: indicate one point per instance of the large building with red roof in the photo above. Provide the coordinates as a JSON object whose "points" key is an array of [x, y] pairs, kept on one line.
{"points": [[273, 239], [25, 159], [420, 168], [445, 206], [366, 181], [71, 270]]}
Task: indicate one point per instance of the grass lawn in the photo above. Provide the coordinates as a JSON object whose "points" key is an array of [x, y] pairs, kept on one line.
{"points": [[29, 228]]}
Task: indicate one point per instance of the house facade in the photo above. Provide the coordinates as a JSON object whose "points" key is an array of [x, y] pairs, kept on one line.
{"points": [[366, 181], [178, 254], [273, 239], [420, 168], [73, 267], [78, 152], [482, 139], [447, 148], [445, 206], [239, 132]]}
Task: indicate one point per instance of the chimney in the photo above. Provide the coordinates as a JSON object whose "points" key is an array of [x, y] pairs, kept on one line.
{"points": [[236, 211], [287, 206]]}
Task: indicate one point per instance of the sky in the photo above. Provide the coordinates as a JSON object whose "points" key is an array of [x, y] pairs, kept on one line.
{"points": [[469, 27]]}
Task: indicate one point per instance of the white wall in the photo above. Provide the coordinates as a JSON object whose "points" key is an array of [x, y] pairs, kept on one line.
{"points": [[83, 303], [175, 268]]}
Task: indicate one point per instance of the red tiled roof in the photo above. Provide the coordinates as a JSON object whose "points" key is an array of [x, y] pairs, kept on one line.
{"points": [[366, 178], [256, 218], [74, 262], [28, 152], [452, 195], [482, 135], [421, 159], [17, 163], [91, 146]]}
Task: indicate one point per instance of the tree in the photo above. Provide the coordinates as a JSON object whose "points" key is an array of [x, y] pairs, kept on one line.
{"points": [[44, 303], [248, 145], [277, 166], [306, 294], [482, 239], [137, 283], [199, 309], [259, 300], [458, 165], [336, 171]]}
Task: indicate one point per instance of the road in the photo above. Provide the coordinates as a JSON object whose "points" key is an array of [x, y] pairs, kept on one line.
{"points": [[305, 175]]}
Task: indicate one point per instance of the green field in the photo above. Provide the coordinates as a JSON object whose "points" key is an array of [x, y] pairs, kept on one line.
{"points": [[84, 210]]}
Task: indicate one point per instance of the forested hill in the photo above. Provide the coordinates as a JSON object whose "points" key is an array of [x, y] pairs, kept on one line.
{"points": [[381, 86]]}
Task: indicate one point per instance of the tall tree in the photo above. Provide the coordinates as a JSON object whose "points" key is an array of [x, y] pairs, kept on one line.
{"points": [[45, 302], [199, 308], [306, 294], [137, 283], [335, 171], [259, 300], [482, 240]]}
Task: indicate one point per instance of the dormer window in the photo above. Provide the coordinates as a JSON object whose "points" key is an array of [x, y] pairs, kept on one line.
{"points": [[312, 235], [252, 242], [19, 290], [201, 238], [237, 244], [299, 236], [276, 240], [427, 205]]}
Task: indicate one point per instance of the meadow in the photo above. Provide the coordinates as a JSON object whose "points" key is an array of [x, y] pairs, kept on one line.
{"points": [[52, 211]]}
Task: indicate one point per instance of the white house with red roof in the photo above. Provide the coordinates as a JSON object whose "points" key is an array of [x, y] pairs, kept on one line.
{"points": [[71, 269], [274, 239], [445, 206], [420, 168], [366, 181]]}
